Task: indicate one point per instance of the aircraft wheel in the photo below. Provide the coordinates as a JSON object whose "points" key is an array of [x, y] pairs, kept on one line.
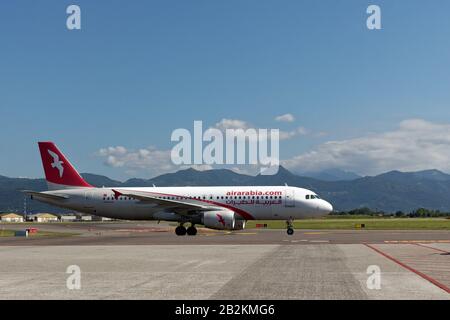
{"points": [[290, 231], [191, 231], [180, 231]]}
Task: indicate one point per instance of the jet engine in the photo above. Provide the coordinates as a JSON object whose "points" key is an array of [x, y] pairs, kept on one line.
{"points": [[222, 220]]}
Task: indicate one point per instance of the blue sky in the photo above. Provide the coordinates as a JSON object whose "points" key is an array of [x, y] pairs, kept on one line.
{"points": [[137, 71]]}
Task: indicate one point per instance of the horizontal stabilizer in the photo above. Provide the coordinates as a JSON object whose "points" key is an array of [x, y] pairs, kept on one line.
{"points": [[45, 195]]}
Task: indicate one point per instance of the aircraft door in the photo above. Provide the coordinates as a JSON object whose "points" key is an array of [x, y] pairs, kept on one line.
{"points": [[89, 203], [289, 198]]}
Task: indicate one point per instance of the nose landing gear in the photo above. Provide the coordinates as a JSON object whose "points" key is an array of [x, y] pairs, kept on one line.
{"points": [[289, 227]]}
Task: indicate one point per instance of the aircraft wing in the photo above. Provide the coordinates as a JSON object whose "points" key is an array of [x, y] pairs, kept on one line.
{"points": [[180, 205], [45, 195]]}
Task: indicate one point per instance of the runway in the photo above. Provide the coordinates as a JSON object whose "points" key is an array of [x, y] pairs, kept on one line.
{"points": [[147, 261], [320, 271], [150, 233]]}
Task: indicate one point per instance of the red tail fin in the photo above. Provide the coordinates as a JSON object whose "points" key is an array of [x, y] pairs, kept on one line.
{"points": [[60, 174]]}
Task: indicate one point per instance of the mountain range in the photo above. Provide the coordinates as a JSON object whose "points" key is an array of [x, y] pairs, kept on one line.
{"points": [[389, 192], [331, 175]]}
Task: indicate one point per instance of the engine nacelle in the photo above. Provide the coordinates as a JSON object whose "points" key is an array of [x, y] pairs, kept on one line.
{"points": [[222, 220]]}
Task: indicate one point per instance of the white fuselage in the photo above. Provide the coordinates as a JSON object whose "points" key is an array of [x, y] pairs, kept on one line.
{"points": [[250, 203]]}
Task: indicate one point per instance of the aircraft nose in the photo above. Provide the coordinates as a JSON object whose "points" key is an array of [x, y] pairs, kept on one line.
{"points": [[326, 207]]}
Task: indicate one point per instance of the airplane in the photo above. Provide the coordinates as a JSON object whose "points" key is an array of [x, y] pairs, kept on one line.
{"points": [[221, 208]]}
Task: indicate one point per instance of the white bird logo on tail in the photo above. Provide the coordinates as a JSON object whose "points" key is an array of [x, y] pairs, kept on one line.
{"points": [[56, 163]]}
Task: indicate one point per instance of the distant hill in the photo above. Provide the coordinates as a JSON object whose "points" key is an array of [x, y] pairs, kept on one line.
{"points": [[389, 191], [192, 177], [432, 175], [100, 181], [331, 175]]}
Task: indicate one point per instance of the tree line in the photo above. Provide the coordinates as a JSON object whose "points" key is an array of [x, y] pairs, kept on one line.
{"points": [[417, 213]]}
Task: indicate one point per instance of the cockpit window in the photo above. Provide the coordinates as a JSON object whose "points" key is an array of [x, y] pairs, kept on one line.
{"points": [[307, 196]]}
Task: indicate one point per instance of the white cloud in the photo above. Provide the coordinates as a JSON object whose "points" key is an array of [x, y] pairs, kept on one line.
{"points": [[150, 159], [224, 124], [415, 145], [146, 160], [300, 131], [231, 124], [285, 118]]}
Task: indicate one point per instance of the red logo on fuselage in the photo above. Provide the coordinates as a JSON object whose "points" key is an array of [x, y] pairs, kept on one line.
{"points": [[117, 194], [220, 219]]}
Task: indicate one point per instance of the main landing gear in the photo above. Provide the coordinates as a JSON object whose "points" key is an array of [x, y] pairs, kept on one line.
{"points": [[181, 230], [191, 231], [290, 227]]}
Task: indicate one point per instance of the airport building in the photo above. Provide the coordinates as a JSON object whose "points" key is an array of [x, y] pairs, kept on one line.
{"points": [[67, 218], [44, 217], [11, 217], [97, 218], [79, 217]]}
